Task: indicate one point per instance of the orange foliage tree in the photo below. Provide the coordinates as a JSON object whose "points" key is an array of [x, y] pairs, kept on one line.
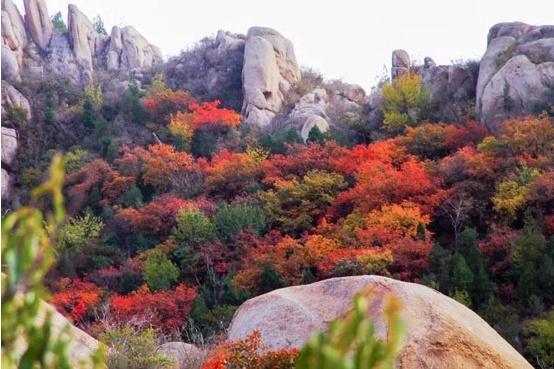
{"points": [[181, 127], [230, 174], [386, 152], [159, 165], [400, 229], [432, 140]]}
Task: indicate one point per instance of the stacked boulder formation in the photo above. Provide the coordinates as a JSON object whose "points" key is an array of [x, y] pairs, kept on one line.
{"points": [[31, 46]]}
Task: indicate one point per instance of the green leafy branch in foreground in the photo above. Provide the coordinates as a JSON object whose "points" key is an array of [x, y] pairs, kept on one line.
{"points": [[29, 339], [350, 342]]}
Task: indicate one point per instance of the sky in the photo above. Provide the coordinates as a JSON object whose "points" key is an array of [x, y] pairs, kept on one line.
{"points": [[350, 40]]}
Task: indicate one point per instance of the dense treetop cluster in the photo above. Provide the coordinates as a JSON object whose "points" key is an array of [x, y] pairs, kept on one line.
{"points": [[180, 212]]}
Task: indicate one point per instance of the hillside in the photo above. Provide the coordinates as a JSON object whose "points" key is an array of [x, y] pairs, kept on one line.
{"points": [[204, 182]]}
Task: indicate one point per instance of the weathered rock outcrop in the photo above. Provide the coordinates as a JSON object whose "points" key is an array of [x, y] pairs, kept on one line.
{"points": [[13, 29], [128, 49], [451, 87], [14, 39], [325, 106], [309, 112], [81, 345], [451, 82], [9, 150], [5, 181], [441, 333], [400, 63], [83, 38], [9, 145], [269, 71], [76, 54], [516, 71], [11, 98], [38, 22]]}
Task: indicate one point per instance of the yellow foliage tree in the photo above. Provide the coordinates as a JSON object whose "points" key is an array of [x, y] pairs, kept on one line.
{"points": [[404, 218], [511, 195], [180, 127], [94, 94], [404, 101]]}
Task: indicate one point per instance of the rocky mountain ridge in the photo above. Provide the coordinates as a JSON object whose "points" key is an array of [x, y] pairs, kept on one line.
{"points": [[515, 72], [258, 73], [31, 46]]}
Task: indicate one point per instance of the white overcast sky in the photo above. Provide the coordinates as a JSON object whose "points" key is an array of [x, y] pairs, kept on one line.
{"points": [[346, 39]]}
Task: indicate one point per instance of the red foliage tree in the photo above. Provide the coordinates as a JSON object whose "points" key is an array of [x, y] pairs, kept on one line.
{"points": [[76, 298], [379, 183], [209, 114], [542, 190], [386, 152], [109, 277], [470, 133], [114, 189], [162, 104], [80, 184], [166, 310], [432, 140], [411, 257], [155, 218], [300, 160], [497, 250]]}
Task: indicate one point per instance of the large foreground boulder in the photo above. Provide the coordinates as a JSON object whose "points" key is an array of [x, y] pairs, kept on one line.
{"points": [[516, 71], [81, 346], [440, 332], [269, 71]]}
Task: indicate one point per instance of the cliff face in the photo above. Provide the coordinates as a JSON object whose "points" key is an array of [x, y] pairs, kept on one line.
{"points": [[32, 47], [257, 72]]}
